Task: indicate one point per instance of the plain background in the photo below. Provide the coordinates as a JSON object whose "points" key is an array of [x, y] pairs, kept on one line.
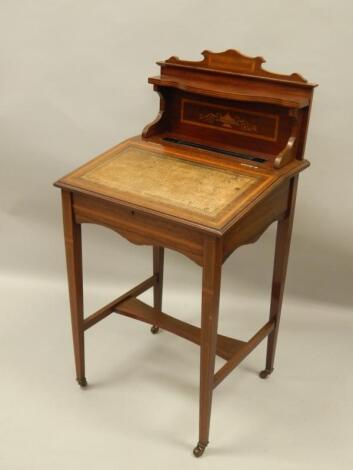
{"points": [[73, 81]]}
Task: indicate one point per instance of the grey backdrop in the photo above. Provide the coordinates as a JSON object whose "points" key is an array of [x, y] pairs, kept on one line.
{"points": [[73, 80]]}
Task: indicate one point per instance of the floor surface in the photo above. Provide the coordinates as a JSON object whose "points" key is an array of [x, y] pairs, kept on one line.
{"points": [[140, 410]]}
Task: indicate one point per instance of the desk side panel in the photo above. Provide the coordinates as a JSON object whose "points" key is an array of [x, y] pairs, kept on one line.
{"points": [[250, 227]]}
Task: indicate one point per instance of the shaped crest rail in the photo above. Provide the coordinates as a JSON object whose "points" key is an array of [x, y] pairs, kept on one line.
{"points": [[232, 61]]}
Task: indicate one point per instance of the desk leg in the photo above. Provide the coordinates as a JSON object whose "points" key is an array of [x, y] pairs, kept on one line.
{"points": [[211, 282], [283, 239], [73, 246], [158, 266]]}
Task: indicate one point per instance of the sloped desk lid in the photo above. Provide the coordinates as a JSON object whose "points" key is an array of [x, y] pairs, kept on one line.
{"points": [[164, 181]]}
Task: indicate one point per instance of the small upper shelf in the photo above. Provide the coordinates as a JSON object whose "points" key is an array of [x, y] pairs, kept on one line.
{"points": [[240, 92]]}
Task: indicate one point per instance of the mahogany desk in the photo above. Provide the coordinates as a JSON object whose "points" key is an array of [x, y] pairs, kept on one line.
{"points": [[218, 165]]}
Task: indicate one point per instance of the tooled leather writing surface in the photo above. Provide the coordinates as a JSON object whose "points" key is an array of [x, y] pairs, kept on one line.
{"points": [[168, 180]]}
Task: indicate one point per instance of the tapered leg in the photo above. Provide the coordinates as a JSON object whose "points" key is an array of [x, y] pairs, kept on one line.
{"points": [[158, 265], [73, 246], [211, 281], [283, 239]]}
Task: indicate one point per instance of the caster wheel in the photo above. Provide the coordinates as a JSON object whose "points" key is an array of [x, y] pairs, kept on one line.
{"points": [[82, 382], [199, 449], [154, 329], [265, 373]]}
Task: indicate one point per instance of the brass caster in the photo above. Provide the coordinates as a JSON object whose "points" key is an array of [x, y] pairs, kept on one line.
{"points": [[265, 373], [82, 382], [199, 449], [154, 329]]}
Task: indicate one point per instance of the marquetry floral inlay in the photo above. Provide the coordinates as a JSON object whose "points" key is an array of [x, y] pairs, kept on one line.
{"points": [[229, 121]]}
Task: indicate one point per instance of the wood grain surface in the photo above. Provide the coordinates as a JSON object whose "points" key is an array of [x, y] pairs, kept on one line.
{"points": [[217, 166]]}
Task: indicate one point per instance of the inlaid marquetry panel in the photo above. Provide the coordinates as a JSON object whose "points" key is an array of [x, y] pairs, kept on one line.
{"points": [[230, 119]]}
